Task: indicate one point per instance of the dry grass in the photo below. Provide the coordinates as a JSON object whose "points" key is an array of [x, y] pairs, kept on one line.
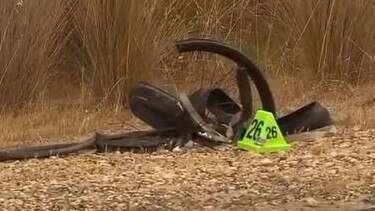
{"points": [[27, 48], [59, 123], [62, 61], [328, 38], [119, 43]]}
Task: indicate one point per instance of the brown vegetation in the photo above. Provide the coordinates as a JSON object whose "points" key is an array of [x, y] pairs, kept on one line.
{"points": [[66, 66]]}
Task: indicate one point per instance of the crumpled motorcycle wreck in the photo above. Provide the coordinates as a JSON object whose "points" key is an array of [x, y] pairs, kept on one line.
{"points": [[178, 119]]}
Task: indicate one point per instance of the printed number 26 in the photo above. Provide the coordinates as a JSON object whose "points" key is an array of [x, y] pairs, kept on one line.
{"points": [[271, 132], [256, 129]]}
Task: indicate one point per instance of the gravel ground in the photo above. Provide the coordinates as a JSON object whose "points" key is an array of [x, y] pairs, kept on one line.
{"points": [[335, 173]]}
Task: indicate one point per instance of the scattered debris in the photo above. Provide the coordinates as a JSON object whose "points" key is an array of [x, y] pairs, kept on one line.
{"points": [[178, 120]]}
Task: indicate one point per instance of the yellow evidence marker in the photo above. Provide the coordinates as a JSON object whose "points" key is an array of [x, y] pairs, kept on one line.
{"points": [[263, 135]]}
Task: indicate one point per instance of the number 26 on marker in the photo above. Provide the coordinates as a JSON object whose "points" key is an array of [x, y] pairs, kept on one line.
{"points": [[256, 129]]}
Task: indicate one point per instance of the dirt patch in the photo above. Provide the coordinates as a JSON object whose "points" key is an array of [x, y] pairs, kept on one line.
{"points": [[333, 172]]}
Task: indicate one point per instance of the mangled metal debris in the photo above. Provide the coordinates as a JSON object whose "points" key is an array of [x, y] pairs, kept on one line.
{"points": [[179, 119]]}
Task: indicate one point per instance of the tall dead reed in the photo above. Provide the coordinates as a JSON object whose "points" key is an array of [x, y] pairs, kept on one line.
{"points": [[326, 38], [28, 47]]}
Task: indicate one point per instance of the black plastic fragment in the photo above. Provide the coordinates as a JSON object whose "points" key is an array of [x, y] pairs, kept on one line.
{"points": [[217, 102], [159, 109], [310, 117]]}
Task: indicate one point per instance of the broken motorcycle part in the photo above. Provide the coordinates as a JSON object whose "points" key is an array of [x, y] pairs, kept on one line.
{"points": [[244, 63], [310, 117], [177, 119], [99, 143], [159, 109]]}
